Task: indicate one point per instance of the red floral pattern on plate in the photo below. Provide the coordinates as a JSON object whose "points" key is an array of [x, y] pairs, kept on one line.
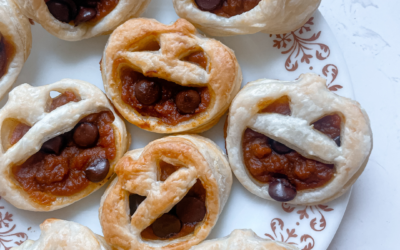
{"points": [[9, 238]]}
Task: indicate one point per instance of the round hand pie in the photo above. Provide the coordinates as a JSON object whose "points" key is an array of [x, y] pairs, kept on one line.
{"points": [[74, 20], [240, 17], [56, 151], [15, 43], [66, 235], [167, 196], [169, 78], [243, 239], [297, 142]]}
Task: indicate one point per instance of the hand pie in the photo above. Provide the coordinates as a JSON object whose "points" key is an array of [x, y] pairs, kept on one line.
{"points": [[169, 78], [15, 43], [56, 151], [297, 142], [243, 239], [168, 195], [240, 17], [65, 235], [75, 20]]}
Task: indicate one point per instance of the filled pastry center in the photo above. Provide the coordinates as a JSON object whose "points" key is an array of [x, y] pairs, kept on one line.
{"points": [[155, 97], [68, 163], [286, 171], [80, 11], [7, 52], [183, 218], [227, 8]]}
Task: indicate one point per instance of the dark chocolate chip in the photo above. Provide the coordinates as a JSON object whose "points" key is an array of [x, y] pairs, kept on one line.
{"points": [[281, 190], [87, 3], [279, 147], [63, 10], [85, 15], [147, 91], [191, 209], [166, 226], [54, 145], [337, 140], [86, 134], [134, 202], [188, 101], [208, 5], [3, 56], [97, 170]]}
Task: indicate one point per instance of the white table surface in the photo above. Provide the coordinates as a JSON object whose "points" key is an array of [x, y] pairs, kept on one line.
{"points": [[368, 32]]}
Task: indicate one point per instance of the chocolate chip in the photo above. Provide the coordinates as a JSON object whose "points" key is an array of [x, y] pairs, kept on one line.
{"points": [[280, 148], [63, 10], [3, 55], [86, 134], [84, 15], [147, 91], [208, 5], [87, 3], [188, 101], [54, 145], [281, 190], [97, 170], [191, 209], [134, 202], [337, 140], [166, 226]]}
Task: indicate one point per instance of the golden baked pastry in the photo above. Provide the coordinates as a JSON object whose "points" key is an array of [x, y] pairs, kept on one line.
{"points": [[56, 151], [297, 142], [65, 235], [75, 20], [243, 239], [15, 43], [169, 78], [168, 195], [240, 17]]}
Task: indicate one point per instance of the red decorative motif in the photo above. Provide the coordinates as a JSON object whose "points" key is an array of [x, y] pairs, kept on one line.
{"points": [[277, 225], [9, 238]]}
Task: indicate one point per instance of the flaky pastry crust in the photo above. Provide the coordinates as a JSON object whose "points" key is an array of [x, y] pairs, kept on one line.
{"points": [[29, 105], [65, 235], [223, 75], [16, 29], [243, 239], [37, 10], [137, 173], [269, 16], [310, 100]]}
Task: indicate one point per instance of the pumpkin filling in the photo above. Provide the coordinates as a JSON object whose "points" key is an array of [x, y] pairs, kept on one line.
{"points": [[227, 8], [286, 171], [7, 53], [168, 101], [68, 163], [77, 12], [182, 219]]}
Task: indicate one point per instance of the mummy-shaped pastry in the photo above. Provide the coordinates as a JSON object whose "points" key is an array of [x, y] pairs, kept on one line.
{"points": [[239, 17], [168, 195], [169, 78], [56, 151], [74, 20], [297, 142], [243, 239], [15, 43], [65, 235]]}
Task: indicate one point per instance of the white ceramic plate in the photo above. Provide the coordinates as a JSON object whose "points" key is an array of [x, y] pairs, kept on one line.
{"points": [[312, 48]]}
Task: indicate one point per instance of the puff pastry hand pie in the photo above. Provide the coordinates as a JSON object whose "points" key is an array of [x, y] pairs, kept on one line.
{"points": [[243, 239], [240, 17], [297, 142], [168, 195], [169, 78], [74, 20], [15, 43], [56, 151], [65, 235]]}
